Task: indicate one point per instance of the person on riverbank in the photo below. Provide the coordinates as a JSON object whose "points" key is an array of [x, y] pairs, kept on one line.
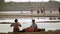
{"points": [[16, 26], [32, 28]]}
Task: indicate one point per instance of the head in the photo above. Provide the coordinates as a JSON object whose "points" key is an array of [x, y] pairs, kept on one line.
{"points": [[16, 20], [33, 21]]}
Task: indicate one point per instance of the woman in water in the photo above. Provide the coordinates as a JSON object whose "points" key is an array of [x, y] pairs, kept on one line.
{"points": [[16, 26]]}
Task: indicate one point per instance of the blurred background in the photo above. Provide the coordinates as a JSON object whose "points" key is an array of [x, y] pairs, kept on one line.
{"points": [[46, 14]]}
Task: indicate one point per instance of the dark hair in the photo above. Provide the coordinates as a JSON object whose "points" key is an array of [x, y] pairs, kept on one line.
{"points": [[33, 20], [16, 20]]}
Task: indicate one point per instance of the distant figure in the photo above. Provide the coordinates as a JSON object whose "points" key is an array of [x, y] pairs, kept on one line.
{"points": [[16, 26], [32, 28]]}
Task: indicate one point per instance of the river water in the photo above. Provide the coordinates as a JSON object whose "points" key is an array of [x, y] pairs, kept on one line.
{"points": [[26, 22]]}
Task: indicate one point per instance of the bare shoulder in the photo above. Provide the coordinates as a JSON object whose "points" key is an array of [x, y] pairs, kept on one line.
{"points": [[19, 24]]}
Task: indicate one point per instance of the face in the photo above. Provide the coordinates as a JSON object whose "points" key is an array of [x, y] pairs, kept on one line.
{"points": [[33, 21]]}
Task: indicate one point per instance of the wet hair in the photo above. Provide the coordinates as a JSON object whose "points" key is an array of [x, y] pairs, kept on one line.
{"points": [[16, 20]]}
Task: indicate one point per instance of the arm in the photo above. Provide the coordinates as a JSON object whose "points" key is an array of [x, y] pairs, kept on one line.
{"points": [[36, 26], [19, 24], [11, 25]]}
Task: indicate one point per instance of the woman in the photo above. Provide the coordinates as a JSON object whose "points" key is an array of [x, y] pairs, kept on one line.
{"points": [[16, 26]]}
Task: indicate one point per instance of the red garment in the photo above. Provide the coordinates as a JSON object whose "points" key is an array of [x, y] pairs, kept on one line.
{"points": [[29, 29]]}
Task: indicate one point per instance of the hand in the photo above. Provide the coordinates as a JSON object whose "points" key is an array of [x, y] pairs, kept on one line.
{"points": [[20, 25]]}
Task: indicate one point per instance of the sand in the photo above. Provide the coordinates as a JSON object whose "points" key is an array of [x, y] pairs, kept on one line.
{"points": [[42, 32]]}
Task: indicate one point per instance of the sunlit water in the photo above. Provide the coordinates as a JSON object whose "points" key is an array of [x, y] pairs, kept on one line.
{"points": [[26, 22]]}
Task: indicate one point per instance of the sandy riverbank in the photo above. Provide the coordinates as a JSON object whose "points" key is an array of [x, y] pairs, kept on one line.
{"points": [[43, 32]]}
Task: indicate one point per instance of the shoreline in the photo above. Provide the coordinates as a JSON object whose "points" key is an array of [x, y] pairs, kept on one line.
{"points": [[42, 32]]}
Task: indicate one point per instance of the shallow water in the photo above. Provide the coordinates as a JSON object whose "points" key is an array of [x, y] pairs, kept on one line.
{"points": [[26, 22], [47, 26]]}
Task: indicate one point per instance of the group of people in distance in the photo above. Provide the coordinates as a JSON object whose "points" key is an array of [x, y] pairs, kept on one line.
{"points": [[32, 28]]}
